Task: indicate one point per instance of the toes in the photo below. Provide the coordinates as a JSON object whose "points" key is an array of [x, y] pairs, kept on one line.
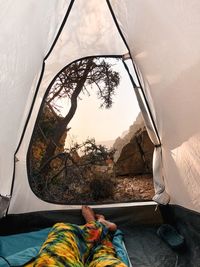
{"points": [[98, 216]]}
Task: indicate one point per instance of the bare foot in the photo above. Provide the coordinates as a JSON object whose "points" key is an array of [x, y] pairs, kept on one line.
{"points": [[98, 216], [88, 214], [111, 226]]}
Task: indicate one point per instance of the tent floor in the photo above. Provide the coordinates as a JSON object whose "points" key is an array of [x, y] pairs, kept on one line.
{"points": [[139, 225], [146, 249]]}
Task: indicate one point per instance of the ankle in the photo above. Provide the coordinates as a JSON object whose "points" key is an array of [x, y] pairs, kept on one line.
{"points": [[110, 225]]}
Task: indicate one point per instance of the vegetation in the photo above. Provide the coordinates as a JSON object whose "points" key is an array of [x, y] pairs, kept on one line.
{"points": [[78, 78], [83, 173], [52, 167]]}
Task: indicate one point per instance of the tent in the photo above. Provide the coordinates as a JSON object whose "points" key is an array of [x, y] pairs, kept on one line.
{"points": [[159, 43]]}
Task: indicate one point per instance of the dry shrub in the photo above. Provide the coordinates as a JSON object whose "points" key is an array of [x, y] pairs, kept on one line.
{"points": [[102, 188]]}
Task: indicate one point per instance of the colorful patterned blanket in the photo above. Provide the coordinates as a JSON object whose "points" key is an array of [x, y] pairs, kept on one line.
{"points": [[16, 250]]}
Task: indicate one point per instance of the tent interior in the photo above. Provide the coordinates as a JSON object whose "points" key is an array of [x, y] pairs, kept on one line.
{"points": [[158, 43], [139, 225]]}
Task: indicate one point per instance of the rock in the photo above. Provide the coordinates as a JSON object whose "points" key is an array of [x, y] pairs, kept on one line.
{"points": [[130, 160], [136, 156], [120, 142]]}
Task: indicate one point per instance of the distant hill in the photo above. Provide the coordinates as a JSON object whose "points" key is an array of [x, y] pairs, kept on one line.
{"points": [[125, 137], [108, 143]]}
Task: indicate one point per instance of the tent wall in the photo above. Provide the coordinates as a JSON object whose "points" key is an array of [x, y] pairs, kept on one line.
{"points": [[164, 40], [89, 30], [23, 48]]}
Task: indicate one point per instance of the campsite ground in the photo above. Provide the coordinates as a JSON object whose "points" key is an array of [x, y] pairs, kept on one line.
{"points": [[118, 189], [134, 188]]}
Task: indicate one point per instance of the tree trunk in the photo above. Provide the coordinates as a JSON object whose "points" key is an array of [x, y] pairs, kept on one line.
{"points": [[61, 126]]}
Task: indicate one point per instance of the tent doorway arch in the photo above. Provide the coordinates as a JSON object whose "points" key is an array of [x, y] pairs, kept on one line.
{"points": [[71, 167]]}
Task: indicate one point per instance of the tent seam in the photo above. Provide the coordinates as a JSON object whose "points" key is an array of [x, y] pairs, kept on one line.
{"points": [[138, 78]]}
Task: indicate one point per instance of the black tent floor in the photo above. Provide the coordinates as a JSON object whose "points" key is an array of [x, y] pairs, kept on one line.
{"points": [[146, 249], [139, 225]]}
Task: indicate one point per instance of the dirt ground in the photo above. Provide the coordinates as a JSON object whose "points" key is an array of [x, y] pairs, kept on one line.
{"points": [[104, 190], [134, 188]]}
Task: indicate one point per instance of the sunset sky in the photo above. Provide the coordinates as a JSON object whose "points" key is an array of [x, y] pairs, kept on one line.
{"points": [[90, 121]]}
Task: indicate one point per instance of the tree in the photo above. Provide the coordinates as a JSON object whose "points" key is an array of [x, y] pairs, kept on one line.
{"points": [[80, 77]]}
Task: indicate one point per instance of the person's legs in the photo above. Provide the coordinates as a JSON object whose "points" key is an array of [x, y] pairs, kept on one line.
{"points": [[69, 244], [72, 245], [61, 248], [103, 254], [89, 215], [92, 231]]}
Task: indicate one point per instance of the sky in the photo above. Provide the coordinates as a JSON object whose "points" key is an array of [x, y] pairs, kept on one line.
{"points": [[91, 121]]}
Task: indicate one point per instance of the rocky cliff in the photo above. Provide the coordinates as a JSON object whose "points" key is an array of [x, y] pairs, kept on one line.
{"points": [[120, 142], [135, 152]]}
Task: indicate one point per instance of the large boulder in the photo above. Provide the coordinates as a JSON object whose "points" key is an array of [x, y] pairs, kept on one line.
{"points": [[123, 140], [136, 156]]}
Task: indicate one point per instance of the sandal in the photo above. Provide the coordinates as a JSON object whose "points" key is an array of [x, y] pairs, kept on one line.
{"points": [[169, 234]]}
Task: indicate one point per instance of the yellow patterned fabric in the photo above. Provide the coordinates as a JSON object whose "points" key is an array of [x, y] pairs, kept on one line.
{"points": [[71, 245]]}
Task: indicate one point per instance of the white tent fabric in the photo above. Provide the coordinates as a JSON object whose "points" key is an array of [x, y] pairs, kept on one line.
{"points": [[89, 30], [28, 29], [161, 196], [164, 41]]}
